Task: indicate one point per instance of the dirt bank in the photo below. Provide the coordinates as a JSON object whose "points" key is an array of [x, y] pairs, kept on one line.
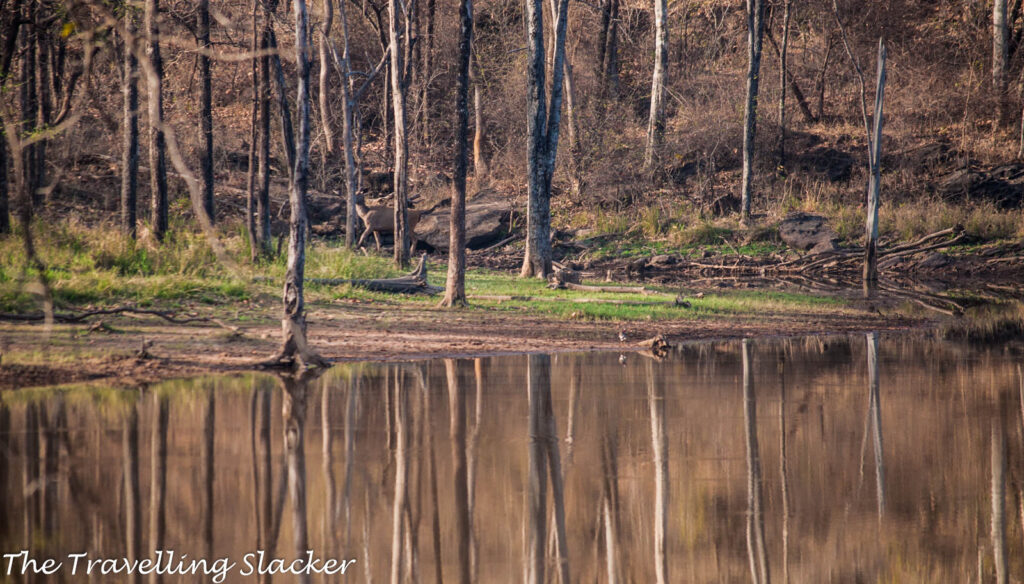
{"points": [[35, 356]]}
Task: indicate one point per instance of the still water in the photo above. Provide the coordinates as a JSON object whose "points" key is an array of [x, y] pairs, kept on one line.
{"points": [[826, 459]]}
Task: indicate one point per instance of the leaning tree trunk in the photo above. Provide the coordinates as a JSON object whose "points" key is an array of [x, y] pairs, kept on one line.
{"points": [[656, 121], [455, 288], [755, 34], [398, 86], [293, 324], [157, 148], [206, 106], [130, 136]]}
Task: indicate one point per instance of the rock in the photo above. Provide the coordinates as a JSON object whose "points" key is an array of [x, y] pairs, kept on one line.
{"points": [[662, 260], [487, 221], [807, 232], [1003, 185]]}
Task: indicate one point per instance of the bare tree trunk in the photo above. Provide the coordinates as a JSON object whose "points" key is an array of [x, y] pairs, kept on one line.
{"points": [[428, 57], [130, 136], [157, 149], [875, 181], [132, 498], [348, 127], [755, 518], [42, 113], [784, 53], [755, 34], [480, 169], [251, 204], [659, 447], [293, 324], [656, 121], [294, 415], [455, 287], [398, 94], [575, 177], [206, 107], [544, 119], [325, 111], [263, 197], [285, 114], [158, 478], [5, 207], [1000, 39], [457, 411]]}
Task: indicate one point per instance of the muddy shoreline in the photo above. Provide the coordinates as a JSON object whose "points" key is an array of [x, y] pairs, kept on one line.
{"points": [[109, 354]]}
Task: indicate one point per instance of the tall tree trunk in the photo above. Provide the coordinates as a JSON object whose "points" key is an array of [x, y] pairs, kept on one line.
{"points": [[875, 180], [293, 324], [543, 123], [157, 148], [575, 178], [206, 107], [130, 135], [480, 169], [29, 106], [251, 204], [43, 94], [158, 478], [398, 87], [322, 45], [1000, 42], [783, 71], [348, 127], [656, 121], [263, 197], [455, 288], [755, 34], [427, 53]]}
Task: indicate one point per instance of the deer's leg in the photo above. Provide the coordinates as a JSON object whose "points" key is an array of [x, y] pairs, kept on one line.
{"points": [[376, 236], [363, 238]]}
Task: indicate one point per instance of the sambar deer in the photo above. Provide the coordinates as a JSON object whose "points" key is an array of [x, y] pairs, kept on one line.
{"points": [[381, 220]]}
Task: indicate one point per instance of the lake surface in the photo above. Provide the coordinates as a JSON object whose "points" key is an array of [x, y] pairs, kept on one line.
{"points": [[826, 459]]}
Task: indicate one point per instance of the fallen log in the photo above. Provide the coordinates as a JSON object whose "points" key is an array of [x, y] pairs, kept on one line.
{"points": [[611, 289], [415, 282]]}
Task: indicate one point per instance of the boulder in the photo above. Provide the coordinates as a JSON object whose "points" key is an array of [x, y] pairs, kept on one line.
{"points": [[808, 232], [487, 221]]}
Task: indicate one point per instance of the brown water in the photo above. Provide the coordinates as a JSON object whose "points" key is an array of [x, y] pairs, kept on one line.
{"points": [[675, 470]]}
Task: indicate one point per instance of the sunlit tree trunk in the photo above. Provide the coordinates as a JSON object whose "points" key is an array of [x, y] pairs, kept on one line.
{"points": [[206, 106], [875, 177], [293, 324], [783, 71], [1000, 43], [157, 149], [455, 288], [323, 77], [656, 120], [755, 34], [398, 95]]}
